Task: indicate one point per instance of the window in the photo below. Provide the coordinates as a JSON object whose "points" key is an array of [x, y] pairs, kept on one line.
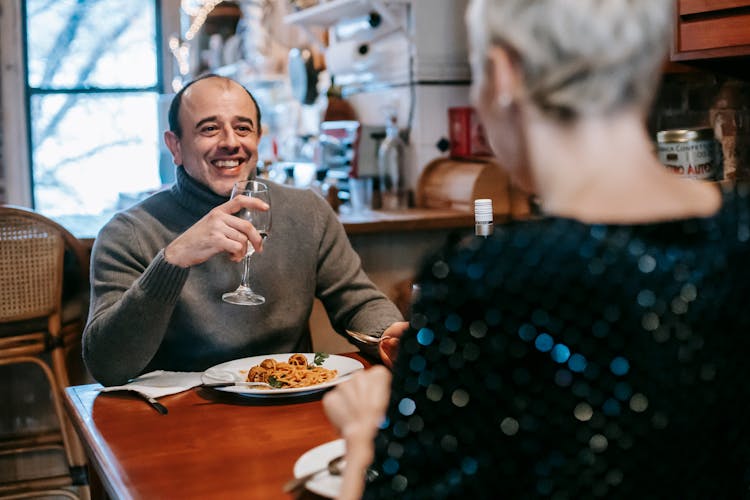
{"points": [[92, 77]]}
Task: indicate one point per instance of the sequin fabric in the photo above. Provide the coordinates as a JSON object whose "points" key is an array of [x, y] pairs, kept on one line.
{"points": [[569, 361]]}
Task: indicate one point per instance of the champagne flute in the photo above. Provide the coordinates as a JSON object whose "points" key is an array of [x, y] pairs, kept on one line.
{"points": [[261, 219]]}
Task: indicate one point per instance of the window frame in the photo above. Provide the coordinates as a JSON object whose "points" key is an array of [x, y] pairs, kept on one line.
{"points": [[15, 96]]}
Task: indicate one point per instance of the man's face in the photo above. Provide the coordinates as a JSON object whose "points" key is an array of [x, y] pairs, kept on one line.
{"points": [[220, 134]]}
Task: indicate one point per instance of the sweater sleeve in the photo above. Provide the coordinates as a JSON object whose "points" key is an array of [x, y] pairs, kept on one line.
{"points": [[132, 299], [351, 299]]}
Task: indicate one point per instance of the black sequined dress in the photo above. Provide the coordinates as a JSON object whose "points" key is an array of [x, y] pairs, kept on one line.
{"points": [[558, 359]]}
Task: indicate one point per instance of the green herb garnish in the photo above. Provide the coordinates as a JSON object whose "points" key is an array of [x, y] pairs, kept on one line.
{"points": [[320, 357], [273, 382]]}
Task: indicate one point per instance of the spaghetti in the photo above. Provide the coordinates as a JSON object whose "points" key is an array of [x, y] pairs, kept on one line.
{"points": [[296, 372]]}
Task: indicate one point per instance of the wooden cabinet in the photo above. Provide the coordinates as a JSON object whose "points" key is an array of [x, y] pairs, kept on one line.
{"points": [[709, 29]]}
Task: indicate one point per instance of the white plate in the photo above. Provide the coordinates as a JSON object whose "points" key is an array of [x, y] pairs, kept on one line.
{"points": [[236, 371], [323, 484]]}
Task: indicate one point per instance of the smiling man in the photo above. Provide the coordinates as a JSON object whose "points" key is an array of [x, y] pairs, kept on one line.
{"points": [[160, 267]]}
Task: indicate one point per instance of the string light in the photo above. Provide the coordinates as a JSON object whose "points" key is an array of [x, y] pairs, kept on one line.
{"points": [[181, 53], [199, 16], [198, 10], [191, 7]]}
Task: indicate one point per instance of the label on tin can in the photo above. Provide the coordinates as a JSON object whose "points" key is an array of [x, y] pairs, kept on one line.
{"points": [[690, 156]]}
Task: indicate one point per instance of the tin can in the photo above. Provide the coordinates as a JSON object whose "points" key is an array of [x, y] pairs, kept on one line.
{"points": [[692, 153]]}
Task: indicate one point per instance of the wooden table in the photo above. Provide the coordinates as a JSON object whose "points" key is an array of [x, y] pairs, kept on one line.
{"points": [[210, 444]]}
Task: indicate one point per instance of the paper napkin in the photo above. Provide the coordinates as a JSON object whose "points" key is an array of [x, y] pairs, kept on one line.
{"points": [[160, 383]]}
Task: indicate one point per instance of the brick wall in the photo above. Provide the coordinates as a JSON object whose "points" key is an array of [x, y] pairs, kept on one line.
{"points": [[695, 99]]}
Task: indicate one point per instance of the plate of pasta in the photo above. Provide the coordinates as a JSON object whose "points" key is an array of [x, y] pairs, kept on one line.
{"points": [[281, 374]]}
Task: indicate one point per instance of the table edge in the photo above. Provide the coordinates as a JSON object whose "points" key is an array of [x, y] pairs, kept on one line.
{"points": [[103, 459]]}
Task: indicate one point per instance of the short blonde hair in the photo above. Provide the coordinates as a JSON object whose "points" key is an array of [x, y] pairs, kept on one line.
{"points": [[578, 57]]}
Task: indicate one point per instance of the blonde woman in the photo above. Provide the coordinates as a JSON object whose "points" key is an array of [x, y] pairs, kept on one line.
{"points": [[599, 351]]}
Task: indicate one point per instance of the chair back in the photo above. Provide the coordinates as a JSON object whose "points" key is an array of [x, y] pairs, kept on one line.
{"points": [[31, 265]]}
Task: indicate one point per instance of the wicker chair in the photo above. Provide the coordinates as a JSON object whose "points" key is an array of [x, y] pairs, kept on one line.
{"points": [[32, 252]]}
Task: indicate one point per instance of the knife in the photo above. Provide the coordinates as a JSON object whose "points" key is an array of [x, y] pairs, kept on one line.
{"points": [[153, 403], [215, 385]]}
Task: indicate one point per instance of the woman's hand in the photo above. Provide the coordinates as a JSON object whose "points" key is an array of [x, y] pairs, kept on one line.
{"points": [[357, 407]]}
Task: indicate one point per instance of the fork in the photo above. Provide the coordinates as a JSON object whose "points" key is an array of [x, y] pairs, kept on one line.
{"points": [[333, 468], [363, 337]]}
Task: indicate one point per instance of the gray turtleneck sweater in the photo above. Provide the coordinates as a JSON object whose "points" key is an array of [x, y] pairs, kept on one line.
{"points": [[148, 314]]}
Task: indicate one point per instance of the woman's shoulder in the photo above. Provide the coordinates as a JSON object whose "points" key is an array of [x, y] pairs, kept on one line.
{"points": [[729, 226], [514, 248], [545, 233], [735, 197]]}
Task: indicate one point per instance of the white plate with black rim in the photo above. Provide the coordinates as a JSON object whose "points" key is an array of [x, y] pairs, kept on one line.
{"points": [[324, 484], [236, 371]]}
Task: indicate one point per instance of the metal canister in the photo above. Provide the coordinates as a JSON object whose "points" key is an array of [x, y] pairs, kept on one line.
{"points": [[693, 153]]}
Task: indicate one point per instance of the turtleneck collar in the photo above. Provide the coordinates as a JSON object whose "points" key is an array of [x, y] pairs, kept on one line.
{"points": [[193, 196]]}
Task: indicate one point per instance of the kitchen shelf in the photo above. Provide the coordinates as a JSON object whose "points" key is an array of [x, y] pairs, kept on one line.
{"points": [[329, 13], [410, 219], [242, 72]]}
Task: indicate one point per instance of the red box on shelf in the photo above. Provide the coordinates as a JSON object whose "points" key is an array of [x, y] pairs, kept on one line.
{"points": [[467, 135]]}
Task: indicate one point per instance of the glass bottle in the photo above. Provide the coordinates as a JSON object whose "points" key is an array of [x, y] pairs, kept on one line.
{"points": [[391, 166], [483, 222]]}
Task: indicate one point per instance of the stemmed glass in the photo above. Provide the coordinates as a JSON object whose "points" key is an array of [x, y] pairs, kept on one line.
{"points": [[261, 219]]}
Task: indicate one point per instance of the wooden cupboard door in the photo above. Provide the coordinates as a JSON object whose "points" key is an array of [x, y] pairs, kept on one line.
{"points": [[711, 29], [687, 7]]}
